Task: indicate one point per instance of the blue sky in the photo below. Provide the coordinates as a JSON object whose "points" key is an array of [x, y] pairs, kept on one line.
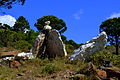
{"points": [[82, 17]]}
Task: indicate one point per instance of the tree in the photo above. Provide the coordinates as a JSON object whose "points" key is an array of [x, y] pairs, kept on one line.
{"points": [[31, 36], [21, 24], [55, 23], [8, 3], [112, 28], [64, 39], [4, 26], [73, 43]]}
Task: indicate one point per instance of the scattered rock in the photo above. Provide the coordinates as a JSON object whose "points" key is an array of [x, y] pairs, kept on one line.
{"points": [[59, 75], [24, 55], [101, 74], [8, 54], [78, 77], [90, 47], [112, 72], [14, 64], [107, 73], [20, 74]]}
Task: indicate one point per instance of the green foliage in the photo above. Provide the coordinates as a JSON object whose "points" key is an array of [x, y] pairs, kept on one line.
{"points": [[69, 48], [18, 40], [112, 28], [8, 3], [21, 24], [105, 54], [73, 43], [6, 37], [49, 68], [56, 23], [22, 45], [4, 26], [64, 39], [31, 36], [20, 36]]}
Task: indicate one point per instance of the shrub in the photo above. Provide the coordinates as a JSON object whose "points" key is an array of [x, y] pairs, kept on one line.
{"points": [[69, 48], [105, 54], [48, 68], [22, 45]]}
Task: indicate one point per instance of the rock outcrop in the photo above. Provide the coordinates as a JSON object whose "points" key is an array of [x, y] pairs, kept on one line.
{"points": [[52, 46], [38, 43], [90, 47], [113, 72], [48, 44]]}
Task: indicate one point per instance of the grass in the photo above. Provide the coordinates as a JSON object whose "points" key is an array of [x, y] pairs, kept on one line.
{"points": [[41, 68]]}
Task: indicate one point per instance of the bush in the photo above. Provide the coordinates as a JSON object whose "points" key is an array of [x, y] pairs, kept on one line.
{"points": [[48, 68], [105, 54], [69, 48], [22, 45]]}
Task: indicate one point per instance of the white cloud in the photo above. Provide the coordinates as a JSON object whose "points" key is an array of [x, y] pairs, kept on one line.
{"points": [[77, 15], [114, 15], [7, 19]]}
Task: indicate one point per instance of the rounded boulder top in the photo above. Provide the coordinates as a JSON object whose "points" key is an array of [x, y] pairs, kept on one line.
{"points": [[47, 22]]}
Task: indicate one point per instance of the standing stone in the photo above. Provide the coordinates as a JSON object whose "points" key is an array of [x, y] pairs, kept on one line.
{"points": [[54, 45], [51, 45], [90, 47]]}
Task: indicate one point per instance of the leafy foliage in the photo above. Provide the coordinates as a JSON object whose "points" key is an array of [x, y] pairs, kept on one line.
{"points": [[31, 36], [49, 68], [22, 45], [8, 3], [56, 23], [4, 26], [105, 54], [112, 28], [73, 43], [70, 44], [69, 48], [19, 40], [21, 24]]}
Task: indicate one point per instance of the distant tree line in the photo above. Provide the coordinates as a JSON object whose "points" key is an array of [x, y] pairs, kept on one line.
{"points": [[20, 36]]}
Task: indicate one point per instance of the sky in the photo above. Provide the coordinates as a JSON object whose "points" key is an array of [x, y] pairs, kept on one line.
{"points": [[82, 17]]}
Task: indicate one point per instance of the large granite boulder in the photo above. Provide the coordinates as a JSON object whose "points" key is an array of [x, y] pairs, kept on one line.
{"points": [[52, 46], [90, 47]]}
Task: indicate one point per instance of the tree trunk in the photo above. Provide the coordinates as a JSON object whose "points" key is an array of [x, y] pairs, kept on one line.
{"points": [[117, 44]]}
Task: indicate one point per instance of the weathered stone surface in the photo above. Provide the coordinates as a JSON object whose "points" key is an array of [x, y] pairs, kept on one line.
{"points": [[90, 47], [8, 55], [37, 44], [24, 55], [101, 74], [52, 46], [113, 72]]}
